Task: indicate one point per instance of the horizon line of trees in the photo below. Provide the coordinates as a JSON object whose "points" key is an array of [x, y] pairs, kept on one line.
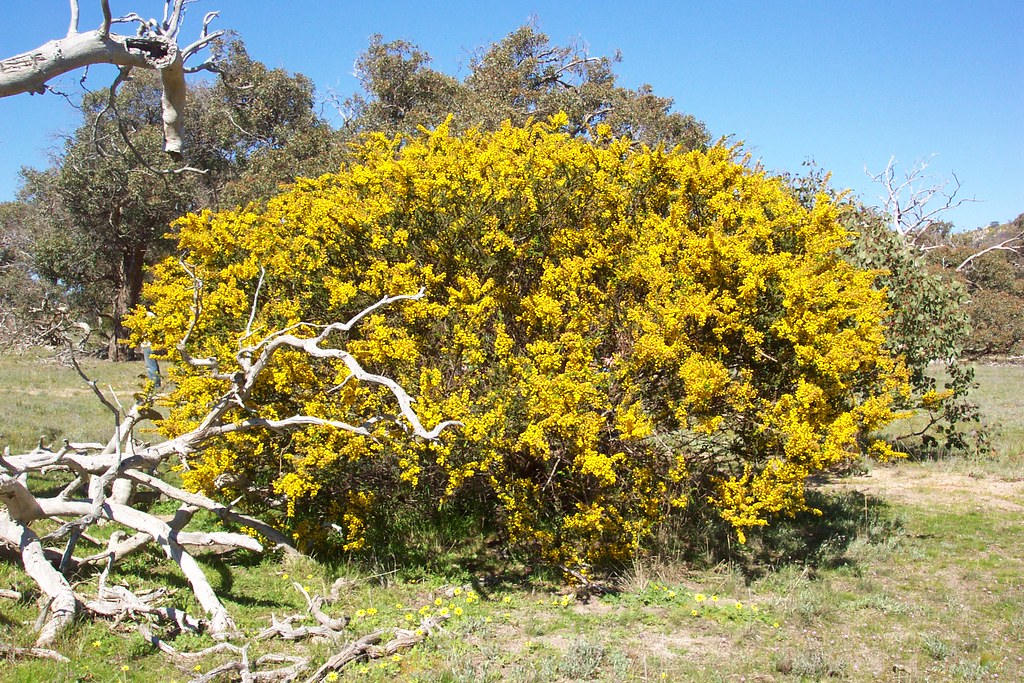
{"points": [[76, 244]]}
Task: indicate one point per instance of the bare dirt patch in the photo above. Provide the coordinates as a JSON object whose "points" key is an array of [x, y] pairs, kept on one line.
{"points": [[919, 486]]}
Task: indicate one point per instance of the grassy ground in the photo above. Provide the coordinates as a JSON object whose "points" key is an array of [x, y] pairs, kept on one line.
{"points": [[914, 573], [43, 399]]}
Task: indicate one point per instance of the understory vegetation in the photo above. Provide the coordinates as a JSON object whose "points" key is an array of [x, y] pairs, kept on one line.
{"points": [[913, 573]]}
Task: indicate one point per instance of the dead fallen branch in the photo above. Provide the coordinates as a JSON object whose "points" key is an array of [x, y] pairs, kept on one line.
{"points": [[105, 477], [9, 651], [367, 647]]}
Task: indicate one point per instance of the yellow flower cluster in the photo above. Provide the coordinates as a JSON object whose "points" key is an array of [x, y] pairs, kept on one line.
{"points": [[619, 330]]}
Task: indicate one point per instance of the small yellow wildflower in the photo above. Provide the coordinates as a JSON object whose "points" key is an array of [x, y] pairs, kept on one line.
{"points": [[699, 597], [125, 667], [694, 612], [739, 605], [309, 576], [361, 613], [457, 591], [438, 602], [399, 605], [443, 611], [714, 598], [775, 625], [671, 594], [409, 616], [507, 599], [457, 611], [753, 608], [96, 643], [284, 576], [371, 611], [197, 668], [396, 657], [470, 599], [333, 676]]}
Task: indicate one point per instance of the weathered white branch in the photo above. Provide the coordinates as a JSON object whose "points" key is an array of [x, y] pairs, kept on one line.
{"points": [[36, 652], [73, 25], [155, 47], [29, 71], [221, 510], [909, 201], [63, 604], [166, 538], [123, 462], [1002, 246]]}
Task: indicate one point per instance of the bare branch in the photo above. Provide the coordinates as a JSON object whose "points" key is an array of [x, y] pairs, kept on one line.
{"points": [[154, 46], [173, 25], [200, 44], [252, 313], [63, 605], [104, 30], [36, 652], [1002, 246], [910, 201], [223, 511], [73, 25]]}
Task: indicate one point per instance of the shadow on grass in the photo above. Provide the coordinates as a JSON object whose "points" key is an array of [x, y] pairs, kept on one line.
{"points": [[809, 540]]}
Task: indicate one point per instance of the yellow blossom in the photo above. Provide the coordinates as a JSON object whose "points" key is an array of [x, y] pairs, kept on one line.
{"points": [[581, 293]]}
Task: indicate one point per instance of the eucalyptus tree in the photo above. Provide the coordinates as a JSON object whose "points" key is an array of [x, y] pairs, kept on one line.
{"points": [[522, 76]]}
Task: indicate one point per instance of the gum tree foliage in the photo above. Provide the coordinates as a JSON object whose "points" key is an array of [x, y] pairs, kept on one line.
{"points": [[621, 331], [102, 210], [523, 75], [990, 264], [30, 309], [928, 325]]}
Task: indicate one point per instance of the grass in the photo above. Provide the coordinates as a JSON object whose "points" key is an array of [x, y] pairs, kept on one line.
{"points": [[49, 401], [914, 572]]}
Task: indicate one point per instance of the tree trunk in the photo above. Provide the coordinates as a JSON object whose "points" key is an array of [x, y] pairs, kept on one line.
{"points": [[129, 292]]}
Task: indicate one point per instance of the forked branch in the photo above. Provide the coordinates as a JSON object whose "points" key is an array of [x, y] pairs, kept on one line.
{"points": [[153, 46], [126, 463]]}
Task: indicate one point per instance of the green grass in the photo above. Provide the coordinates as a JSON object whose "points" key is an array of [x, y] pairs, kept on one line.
{"points": [[45, 400], [913, 573]]}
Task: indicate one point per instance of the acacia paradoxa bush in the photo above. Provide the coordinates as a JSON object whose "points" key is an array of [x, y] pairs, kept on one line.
{"points": [[621, 331]]}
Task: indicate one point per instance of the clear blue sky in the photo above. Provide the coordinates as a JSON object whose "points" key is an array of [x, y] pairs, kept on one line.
{"points": [[848, 84]]}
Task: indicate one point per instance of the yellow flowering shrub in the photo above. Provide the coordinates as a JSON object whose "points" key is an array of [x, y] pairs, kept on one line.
{"points": [[621, 331]]}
